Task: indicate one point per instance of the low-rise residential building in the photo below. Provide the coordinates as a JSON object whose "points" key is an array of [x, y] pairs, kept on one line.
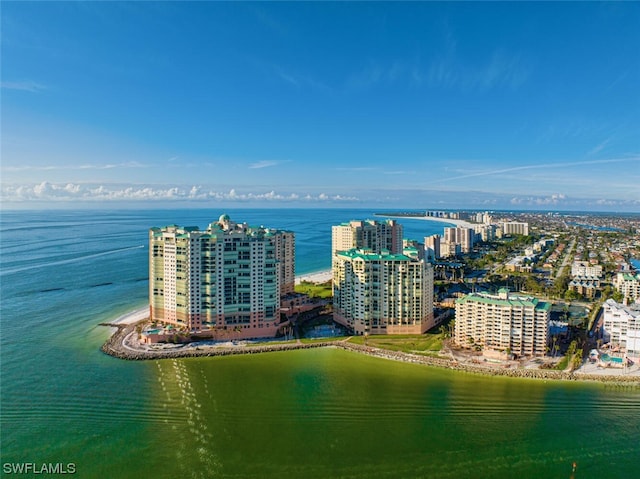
{"points": [[584, 268], [586, 286], [621, 327], [505, 323], [382, 293]]}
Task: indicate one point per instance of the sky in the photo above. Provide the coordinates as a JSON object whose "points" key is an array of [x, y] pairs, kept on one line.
{"points": [[453, 105]]}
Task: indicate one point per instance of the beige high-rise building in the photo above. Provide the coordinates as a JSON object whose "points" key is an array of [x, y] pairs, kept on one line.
{"points": [[228, 276], [459, 236], [515, 228], [432, 247], [370, 234], [382, 293], [505, 323]]}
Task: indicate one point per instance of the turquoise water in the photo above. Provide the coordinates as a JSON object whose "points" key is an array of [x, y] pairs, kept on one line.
{"points": [[321, 413]]}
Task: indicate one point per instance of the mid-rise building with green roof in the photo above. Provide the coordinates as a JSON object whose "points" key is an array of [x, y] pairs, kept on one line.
{"points": [[382, 292], [505, 323], [629, 285]]}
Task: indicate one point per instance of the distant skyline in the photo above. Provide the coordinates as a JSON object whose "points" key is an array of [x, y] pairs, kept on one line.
{"points": [[496, 105]]}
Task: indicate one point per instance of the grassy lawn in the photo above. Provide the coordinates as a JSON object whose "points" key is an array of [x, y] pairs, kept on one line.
{"points": [[321, 290], [321, 340], [427, 344], [564, 362]]}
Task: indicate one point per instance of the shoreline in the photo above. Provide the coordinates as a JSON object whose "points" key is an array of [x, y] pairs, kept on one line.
{"points": [[122, 344], [316, 277], [132, 317], [452, 221]]}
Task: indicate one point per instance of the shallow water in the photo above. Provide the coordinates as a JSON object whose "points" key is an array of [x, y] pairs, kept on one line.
{"points": [[311, 413]]}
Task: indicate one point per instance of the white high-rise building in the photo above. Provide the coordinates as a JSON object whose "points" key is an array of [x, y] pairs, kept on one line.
{"points": [[382, 293], [432, 247], [228, 276], [621, 327]]}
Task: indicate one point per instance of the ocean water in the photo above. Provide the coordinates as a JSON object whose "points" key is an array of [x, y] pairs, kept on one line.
{"points": [[322, 413]]}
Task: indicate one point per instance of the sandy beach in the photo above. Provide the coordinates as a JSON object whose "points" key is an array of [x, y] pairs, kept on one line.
{"points": [[132, 316], [463, 223], [317, 277]]}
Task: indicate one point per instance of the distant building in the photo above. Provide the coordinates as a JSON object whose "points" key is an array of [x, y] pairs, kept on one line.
{"points": [[515, 228], [370, 234], [230, 276], [432, 247], [448, 250], [486, 232], [629, 285], [503, 323], [584, 268], [464, 237], [621, 327], [413, 248], [382, 293]]}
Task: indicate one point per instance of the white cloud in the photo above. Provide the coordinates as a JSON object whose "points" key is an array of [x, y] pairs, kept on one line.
{"points": [[50, 192], [26, 85], [502, 69], [267, 163], [599, 147], [634, 159], [108, 166]]}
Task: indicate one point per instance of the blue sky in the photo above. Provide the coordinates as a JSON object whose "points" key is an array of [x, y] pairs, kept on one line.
{"points": [[414, 105]]}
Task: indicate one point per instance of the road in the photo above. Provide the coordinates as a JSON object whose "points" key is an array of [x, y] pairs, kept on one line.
{"points": [[567, 257]]}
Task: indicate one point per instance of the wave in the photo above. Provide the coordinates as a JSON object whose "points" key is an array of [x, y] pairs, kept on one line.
{"points": [[66, 261]]}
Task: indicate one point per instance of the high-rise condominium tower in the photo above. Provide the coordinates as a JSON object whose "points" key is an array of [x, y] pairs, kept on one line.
{"points": [[382, 293], [228, 276], [369, 234]]}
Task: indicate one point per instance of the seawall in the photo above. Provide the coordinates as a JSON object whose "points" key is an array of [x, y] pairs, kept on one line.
{"points": [[116, 346]]}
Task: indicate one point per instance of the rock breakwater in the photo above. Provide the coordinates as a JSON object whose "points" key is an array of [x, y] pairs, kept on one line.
{"points": [[121, 345]]}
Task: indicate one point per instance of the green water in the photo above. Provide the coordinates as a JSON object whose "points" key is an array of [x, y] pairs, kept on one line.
{"points": [[298, 414], [331, 413]]}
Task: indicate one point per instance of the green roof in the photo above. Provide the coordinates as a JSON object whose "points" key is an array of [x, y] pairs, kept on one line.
{"points": [[513, 301], [630, 277], [370, 256]]}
